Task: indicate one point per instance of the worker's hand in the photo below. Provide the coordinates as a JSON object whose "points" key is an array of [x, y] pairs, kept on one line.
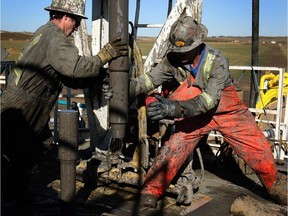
{"points": [[115, 48], [107, 90], [116, 144], [161, 109]]}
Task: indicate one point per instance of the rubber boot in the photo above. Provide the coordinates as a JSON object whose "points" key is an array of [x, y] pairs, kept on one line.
{"points": [[278, 191], [148, 200]]}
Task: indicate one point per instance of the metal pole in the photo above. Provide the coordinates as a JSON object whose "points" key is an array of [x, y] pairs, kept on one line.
{"points": [[68, 152], [255, 51], [118, 69], [136, 20]]}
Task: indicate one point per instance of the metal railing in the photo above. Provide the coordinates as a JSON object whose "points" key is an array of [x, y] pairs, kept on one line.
{"points": [[6, 68]]}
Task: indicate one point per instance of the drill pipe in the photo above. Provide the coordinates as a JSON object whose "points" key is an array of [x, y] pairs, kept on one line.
{"points": [[68, 154], [118, 71]]}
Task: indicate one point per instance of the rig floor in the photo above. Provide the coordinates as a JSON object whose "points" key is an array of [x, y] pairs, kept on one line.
{"points": [[217, 191]]}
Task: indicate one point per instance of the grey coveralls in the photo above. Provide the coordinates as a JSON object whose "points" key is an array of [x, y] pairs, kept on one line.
{"points": [[32, 90], [170, 69]]}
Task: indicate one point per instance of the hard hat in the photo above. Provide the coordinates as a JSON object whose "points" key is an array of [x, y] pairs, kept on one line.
{"points": [[75, 7], [186, 34]]}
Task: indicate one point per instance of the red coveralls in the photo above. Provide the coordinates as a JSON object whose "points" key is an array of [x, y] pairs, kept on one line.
{"points": [[232, 119]]}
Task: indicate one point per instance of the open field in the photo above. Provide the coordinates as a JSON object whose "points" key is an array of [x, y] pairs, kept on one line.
{"points": [[238, 49], [272, 51]]}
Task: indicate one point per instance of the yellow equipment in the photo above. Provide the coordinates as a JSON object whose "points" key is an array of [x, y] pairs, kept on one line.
{"points": [[269, 89]]}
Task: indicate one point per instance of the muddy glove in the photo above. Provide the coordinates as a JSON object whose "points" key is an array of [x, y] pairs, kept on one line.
{"points": [[117, 47], [163, 108], [107, 90]]}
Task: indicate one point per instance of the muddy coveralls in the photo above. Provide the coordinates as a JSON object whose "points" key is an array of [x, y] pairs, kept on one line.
{"points": [[215, 105], [33, 88]]}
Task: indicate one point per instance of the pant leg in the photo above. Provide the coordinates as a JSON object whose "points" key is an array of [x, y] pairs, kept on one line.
{"points": [[240, 130], [173, 154]]}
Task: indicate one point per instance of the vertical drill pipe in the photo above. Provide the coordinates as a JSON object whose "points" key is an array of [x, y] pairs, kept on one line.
{"points": [[118, 69], [68, 152]]}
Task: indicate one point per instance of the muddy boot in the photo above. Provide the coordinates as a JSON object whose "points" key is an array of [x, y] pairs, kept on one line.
{"points": [[278, 191], [148, 200]]}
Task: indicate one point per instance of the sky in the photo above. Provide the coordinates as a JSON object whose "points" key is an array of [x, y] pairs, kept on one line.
{"points": [[221, 17]]}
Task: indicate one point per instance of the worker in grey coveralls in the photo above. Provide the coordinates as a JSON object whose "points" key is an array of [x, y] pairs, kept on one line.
{"points": [[46, 63]]}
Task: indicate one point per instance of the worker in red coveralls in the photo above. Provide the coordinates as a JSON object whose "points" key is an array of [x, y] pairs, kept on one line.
{"points": [[209, 102]]}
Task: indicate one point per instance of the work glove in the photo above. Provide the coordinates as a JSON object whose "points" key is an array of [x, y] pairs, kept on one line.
{"points": [[116, 144], [115, 48], [107, 90], [163, 108]]}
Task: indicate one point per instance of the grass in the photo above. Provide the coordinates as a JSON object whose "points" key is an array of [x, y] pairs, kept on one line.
{"points": [[14, 47], [145, 47], [237, 53]]}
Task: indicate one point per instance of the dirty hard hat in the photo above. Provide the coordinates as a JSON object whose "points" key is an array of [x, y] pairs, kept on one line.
{"points": [[75, 7], [186, 34]]}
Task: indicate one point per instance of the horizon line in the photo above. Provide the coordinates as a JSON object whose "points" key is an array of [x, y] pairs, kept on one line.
{"points": [[29, 32]]}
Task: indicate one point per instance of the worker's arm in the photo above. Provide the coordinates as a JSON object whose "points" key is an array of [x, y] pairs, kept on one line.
{"points": [[163, 72], [63, 57]]}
